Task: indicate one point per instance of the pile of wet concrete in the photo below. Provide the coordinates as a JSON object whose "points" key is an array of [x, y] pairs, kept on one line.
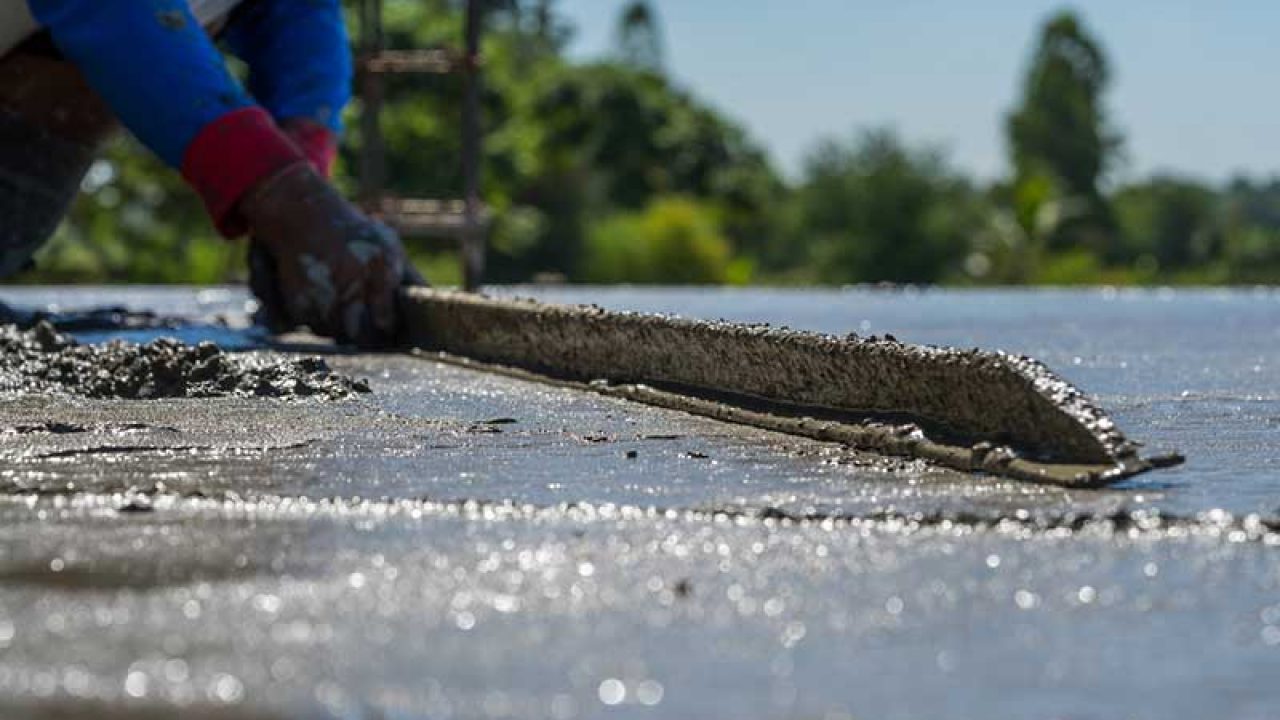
{"points": [[43, 360]]}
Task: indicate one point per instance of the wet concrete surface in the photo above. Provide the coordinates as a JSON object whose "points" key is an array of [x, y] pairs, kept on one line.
{"points": [[456, 544]]}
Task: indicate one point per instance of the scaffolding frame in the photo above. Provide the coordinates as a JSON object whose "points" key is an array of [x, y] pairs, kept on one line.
{"points": [[463, 221]]}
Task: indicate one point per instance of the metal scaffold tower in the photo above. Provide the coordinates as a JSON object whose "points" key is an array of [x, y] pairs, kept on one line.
{"points": [[464, 220]]}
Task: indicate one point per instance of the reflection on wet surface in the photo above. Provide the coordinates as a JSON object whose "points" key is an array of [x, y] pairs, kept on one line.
{"points": [[464, 545]]}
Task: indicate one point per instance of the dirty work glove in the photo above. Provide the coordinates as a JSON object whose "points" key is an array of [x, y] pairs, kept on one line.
{"points": [[319, 145], [335, 270]]}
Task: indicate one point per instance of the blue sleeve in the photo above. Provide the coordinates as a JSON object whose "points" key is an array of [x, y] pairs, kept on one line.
{"points": [[151, 61], [298, 56]]}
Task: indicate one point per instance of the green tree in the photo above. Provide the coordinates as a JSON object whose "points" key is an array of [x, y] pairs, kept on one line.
{"points": [[1059, 136], [873, 210], [674, 240], [611, 138], [1168, 224], [1251, 232]]}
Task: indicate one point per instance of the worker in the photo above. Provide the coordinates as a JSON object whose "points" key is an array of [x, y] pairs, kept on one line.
{"points": [[259, 157]]}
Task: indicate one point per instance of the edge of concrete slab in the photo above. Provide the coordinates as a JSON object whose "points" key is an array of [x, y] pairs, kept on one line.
{"points": [[968, 410]]}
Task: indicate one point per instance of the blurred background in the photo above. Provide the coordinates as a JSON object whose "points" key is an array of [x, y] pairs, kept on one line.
{"points": [[825, 142]]}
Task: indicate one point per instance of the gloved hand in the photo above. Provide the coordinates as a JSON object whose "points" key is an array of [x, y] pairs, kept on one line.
{"points": [[319, 146], [321, 263]]}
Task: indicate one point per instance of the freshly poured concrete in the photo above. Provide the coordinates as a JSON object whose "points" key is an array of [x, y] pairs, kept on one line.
{"points": [[457, 544]]}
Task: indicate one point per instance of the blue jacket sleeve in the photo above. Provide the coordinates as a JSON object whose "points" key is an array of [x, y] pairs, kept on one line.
{"points": [[298, 56], [151, 61]]}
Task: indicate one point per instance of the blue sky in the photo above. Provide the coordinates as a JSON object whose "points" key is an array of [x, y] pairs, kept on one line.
{"points": [[1196, 87]]}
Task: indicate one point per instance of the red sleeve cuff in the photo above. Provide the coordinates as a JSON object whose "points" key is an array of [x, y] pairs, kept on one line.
{"points": [[318, 143], [231, 155]]}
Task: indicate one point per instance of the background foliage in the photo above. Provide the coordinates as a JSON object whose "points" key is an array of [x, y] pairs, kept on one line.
{"points": [[610, 172]]}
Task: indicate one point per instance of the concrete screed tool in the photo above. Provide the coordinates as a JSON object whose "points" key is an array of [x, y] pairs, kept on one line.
{"points": [[969, 410]]}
